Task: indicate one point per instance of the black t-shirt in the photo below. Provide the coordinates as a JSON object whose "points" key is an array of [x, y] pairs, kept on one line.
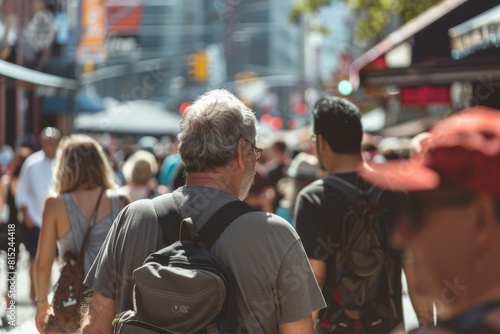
{"points": [[320, 211]]}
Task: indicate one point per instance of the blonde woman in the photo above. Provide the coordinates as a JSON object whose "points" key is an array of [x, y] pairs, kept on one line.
{"points": [[81, 173]]}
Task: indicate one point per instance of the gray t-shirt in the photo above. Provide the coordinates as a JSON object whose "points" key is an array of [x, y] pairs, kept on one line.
{"points": [[275, 283]]}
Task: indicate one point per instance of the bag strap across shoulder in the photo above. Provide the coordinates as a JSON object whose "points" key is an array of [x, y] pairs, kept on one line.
{"points": [[351, 191], [168, 216], [170, 219], [89, 228], [220, 220]]}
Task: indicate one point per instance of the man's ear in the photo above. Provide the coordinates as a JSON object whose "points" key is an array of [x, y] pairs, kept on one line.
{"points": [[486, 223], [241, 153], [321, 142]]}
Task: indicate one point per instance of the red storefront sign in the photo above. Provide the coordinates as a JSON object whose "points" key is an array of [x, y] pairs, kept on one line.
{"points": [[425, 95], [124, 16]]}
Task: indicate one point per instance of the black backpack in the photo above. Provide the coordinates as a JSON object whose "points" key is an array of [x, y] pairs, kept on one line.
{"points": [[184, 287], [362, 264]]}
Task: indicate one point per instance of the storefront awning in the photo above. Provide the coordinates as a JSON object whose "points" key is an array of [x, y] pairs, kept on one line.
{"points": [[35, 77], [400, 35], [437, 73]]}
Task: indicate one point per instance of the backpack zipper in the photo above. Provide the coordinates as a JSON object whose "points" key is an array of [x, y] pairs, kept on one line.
{"points": [[178, 295]]}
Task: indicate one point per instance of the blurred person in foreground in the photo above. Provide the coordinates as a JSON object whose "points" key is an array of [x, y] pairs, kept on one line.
{"points": [[276, 290], [82, 176], [35, 181], [349, 249], [452, 225], [423, 305]]}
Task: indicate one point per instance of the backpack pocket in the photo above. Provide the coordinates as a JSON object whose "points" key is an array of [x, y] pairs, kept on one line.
{"points": [[181, 299]]}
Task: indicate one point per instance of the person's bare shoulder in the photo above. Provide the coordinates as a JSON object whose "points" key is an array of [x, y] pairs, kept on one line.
{"points": [[54, 198], [54, 204]]}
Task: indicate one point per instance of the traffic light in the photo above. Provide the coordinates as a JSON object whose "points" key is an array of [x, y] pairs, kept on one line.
{"points": [[342, 83], [198, 66], [344, 87]]}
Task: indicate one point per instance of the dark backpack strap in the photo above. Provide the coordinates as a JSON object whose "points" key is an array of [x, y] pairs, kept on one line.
{"points": [[220, 220], [478, 328], [170, 219], [351, 191], [348, 189], [168, 216]]}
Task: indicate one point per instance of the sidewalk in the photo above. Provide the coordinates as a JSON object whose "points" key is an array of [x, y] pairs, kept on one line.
{"points": [[25, 322], [25, 311]]}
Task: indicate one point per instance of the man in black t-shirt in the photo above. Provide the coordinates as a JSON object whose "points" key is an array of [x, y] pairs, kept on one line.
{"points": [[320, 212]]}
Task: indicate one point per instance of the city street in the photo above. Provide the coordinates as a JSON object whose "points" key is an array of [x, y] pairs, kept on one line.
{"points": [[25, 312], [363, 125]]}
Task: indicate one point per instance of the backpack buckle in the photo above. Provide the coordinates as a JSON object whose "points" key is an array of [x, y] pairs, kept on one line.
{"points": [[188, 231]]}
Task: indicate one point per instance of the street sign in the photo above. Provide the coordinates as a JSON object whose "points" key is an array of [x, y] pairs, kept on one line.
{"points": [[92, 48]]}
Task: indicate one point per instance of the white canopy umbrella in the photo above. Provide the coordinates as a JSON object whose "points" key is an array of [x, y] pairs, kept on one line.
{"points": [[138, 117]]}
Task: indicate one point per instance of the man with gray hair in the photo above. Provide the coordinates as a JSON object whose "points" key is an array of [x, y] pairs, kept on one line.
{"points": [[276, 291]]}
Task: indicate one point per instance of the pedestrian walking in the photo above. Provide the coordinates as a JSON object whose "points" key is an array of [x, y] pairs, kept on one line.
{"points": [[35, 181], [344, 224], [275, 288], [82, 176]]}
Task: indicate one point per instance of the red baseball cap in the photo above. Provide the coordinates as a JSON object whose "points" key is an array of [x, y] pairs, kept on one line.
{"points": [[462, 150]]}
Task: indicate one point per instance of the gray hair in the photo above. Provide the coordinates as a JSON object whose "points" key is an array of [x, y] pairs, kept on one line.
{"points": [[210, 129]]}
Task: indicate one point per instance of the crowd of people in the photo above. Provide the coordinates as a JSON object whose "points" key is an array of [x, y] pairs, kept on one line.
{"points": [[344, 212]]}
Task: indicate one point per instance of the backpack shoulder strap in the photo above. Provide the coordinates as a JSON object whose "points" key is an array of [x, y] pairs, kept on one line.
{"points": [[347, 188], [168, 216], [220, 220], [351, 191]]}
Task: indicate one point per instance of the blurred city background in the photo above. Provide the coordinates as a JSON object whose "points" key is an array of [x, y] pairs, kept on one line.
{"points": [[130, 67]]}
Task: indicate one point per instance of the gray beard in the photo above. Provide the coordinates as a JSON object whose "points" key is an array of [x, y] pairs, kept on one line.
{"points": [[247, 181]]}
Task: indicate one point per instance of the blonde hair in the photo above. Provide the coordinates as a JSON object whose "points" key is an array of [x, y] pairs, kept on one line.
{"points": [[82, 162], [141, 173], [140, 167]]}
